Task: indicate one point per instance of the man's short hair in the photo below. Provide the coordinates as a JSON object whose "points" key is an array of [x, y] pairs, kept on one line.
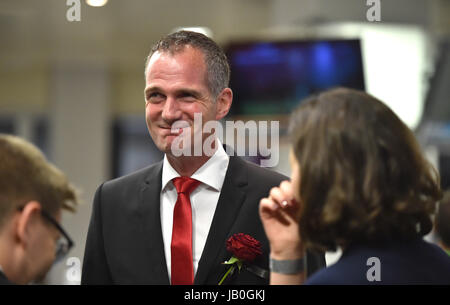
{"points": [[443, 219], [218, 69], [26, 175]]}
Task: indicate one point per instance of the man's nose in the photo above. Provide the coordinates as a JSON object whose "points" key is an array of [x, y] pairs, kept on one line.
{"points": [[171, 111]]}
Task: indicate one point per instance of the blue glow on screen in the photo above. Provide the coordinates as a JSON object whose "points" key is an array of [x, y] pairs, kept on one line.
{"points": [[263, 53], [270, 78]]}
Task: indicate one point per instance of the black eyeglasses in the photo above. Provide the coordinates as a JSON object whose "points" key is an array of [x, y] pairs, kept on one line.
{"points": [[64, 243]]}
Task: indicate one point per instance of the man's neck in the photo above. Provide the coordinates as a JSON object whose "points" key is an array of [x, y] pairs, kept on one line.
{"points": [[186, 166]]}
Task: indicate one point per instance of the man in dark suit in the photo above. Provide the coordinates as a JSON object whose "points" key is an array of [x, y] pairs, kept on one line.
{"points": [[168, 223]]}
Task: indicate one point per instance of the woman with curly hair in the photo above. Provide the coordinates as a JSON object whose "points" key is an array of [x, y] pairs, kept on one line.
{"points": [[360, 183]]}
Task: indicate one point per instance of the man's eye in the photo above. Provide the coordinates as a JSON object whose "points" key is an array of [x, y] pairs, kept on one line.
{"points": [[187, 96], [155, 97]]}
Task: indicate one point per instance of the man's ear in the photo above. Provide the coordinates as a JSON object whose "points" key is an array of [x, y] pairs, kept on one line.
{"points": [[224, 101], [27, 218]]}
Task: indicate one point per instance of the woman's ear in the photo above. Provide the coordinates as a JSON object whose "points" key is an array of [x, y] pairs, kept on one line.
{"points": [[224, 101], [27, 218]]}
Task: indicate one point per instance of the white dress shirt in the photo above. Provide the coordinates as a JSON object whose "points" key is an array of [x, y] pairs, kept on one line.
{"points": [[203, 202]]}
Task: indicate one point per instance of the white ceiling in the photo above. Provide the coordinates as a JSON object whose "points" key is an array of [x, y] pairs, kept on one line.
{"points": [[120, 32], [36, 32]]}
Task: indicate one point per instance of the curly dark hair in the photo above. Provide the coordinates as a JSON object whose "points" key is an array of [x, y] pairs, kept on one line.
{"points": [[363, 176]]}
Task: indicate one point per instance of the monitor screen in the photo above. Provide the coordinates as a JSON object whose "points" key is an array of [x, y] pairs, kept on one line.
{"points": [[272, 77]]}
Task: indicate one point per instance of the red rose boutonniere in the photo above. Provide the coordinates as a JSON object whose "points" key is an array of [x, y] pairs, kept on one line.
{"points": [[244, 249]]}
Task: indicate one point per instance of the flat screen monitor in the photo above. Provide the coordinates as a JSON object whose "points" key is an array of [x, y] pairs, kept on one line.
{"points": [[272, 77]]}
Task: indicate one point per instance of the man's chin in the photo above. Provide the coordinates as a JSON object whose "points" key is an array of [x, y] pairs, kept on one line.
{"points": [[41, 277], [166, 145]]}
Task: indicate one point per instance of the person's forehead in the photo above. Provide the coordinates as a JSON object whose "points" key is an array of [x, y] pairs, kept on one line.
{"points": [[187, 65], [185, 56]]}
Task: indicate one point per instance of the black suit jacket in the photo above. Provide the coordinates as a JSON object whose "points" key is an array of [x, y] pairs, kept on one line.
{"points": [[125, 245]]}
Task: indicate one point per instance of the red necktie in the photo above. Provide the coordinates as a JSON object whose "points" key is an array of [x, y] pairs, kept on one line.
{"points": [[182, 266]]}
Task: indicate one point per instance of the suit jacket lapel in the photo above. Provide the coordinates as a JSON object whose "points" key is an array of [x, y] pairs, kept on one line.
{"points": [[230, 201], [149, 211]]}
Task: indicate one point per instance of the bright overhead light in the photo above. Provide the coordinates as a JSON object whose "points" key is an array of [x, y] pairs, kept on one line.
{"points": [[199, 29], [96, 3]]}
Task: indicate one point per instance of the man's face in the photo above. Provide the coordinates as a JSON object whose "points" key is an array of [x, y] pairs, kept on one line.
{"points": [[176, 89]]}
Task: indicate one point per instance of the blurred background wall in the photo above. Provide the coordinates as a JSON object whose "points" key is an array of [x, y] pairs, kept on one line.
{"points": [[75, 89]]}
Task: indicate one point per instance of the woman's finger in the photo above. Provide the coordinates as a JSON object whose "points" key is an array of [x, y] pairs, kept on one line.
{"points": [[268, 208], [283, 195], [286, 189], [277, 195], [268, 205]]}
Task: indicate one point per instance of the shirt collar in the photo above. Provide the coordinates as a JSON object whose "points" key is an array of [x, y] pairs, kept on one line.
{"points": [[212, 173]]}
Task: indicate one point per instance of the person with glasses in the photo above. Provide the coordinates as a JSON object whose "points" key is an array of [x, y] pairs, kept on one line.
{"points": [[33, 194]]}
